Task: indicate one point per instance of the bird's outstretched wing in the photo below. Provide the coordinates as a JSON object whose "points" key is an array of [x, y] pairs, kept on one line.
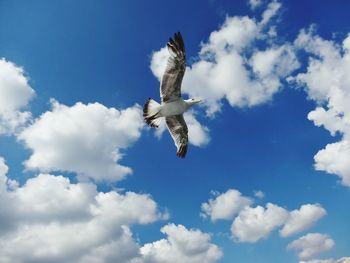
{"points": [[178, 130], [170, 87]]}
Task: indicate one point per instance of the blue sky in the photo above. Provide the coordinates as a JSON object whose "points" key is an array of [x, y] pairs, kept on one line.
{"points": [[83, 180]]}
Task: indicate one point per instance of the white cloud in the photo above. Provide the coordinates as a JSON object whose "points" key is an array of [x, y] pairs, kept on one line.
{"points": [[50, 219], [123, 249], [225, 206], [198, 134], [15, 93], [278, 61], [236, 33], [327, 82], [272, 32], [85, 138], [159, 61], [341, 260], [335, 159], [224, 68], [3, 170], [181, 245], [253, 4], [270, 12], [259, 194], [253, 224], [311, 245], [302, 219]]}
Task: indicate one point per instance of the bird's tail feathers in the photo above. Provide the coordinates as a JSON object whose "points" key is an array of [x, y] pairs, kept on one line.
{"points": [[151, 114]]}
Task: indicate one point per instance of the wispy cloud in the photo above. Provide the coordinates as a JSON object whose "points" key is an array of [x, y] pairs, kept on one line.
{"points": [[253, 4]]}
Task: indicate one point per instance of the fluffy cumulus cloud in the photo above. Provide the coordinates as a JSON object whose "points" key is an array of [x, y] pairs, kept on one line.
{"points": [[50, 219], [15, 93], [341, 260], [229, 68], [302, 219], [87, 139], [311, 245], [327, 82], [225, 206], [181, 245], [253, 224]]}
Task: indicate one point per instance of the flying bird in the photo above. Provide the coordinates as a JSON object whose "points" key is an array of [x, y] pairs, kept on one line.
{"points": [[172, 105]]}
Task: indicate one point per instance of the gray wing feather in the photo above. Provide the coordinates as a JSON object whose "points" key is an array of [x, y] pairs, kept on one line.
{"points": [[179, 132], [170, 87]]}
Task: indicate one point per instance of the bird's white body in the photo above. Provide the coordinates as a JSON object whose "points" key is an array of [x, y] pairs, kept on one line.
{"points": [[173, 108], [155, 111]]}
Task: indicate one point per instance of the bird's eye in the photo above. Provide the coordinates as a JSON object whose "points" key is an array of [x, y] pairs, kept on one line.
{"points": [[192, 99]]}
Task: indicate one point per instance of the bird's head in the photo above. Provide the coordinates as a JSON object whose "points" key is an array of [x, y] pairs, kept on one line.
{"points": [[191, 102]]}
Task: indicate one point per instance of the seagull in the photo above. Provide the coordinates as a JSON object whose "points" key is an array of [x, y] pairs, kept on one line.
{"points": [[172, 105]]}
